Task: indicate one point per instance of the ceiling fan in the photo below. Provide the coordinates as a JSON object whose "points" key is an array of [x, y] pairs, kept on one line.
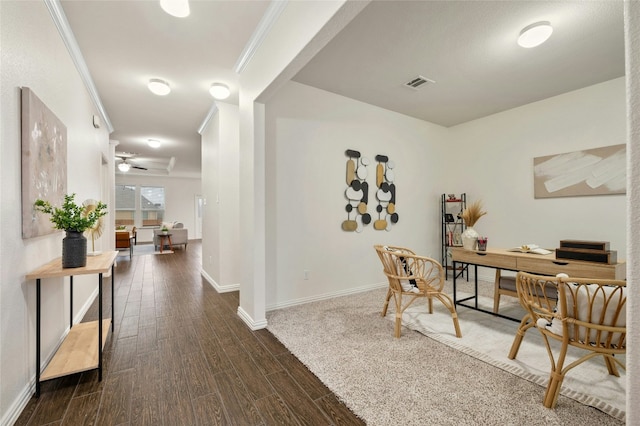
{"points": [[125, 165]]}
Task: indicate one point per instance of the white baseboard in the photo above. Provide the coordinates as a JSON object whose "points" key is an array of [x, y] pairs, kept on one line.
{"points": [[246, 318], [325, 296], [219, 288]]}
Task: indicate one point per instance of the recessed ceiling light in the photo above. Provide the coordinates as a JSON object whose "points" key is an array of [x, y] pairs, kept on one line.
{"points": [[177, 8], [153, 143], [159, 87], [219, 91], [535, 34], [124, 167]]}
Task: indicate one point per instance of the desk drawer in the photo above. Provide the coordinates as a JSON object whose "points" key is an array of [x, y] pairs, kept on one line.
{"points": [[571, 268], [487, 258]]}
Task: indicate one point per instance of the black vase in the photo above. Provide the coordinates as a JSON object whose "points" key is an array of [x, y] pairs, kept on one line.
{"points": [[74, 250]]}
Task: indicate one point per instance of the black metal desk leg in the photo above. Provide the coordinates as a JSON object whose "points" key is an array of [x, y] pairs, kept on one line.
{"points": [[454, 283], [38, 338], [475, 272], [100, 327]]}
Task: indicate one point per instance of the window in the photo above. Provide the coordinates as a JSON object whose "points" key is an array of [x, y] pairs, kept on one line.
{"points": [[139, 205], [152, 205], [125, 205]]}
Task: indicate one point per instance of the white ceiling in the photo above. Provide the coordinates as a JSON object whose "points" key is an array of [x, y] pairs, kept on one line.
{"points": [[468, 47]]}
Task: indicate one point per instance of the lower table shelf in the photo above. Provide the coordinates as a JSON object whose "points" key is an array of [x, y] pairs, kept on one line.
{"points": [[78, 352]]}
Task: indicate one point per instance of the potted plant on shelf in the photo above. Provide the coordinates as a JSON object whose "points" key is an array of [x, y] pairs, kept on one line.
{"points": [[74, 219], [164, 230]]}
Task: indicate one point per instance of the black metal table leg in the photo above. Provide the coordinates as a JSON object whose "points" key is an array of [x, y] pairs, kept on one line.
{"points": [[100, 327], [38, 338], [70, 301], [113, 277]]}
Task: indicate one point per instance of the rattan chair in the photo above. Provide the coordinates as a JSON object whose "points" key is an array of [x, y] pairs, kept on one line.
{"points": [[403, 265], [589, 314]]}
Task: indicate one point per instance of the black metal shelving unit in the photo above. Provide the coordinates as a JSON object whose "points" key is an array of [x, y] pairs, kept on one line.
{"points": [[452, 206]]}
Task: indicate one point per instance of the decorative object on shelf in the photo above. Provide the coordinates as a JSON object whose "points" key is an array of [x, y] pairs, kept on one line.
{"points": [[72, 219], [164, 230], [386, 194], [357, 192], [44, 162], [94, 231], [471, 215]]}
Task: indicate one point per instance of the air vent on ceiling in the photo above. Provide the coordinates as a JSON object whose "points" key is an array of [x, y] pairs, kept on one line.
{"points": [[418, 82]]}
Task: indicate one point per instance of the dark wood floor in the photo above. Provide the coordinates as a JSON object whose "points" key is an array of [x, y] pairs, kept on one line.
{"points": [[181, 356]]}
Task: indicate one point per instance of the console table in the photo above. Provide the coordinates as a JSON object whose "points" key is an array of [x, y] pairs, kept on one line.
{"points": [[81, 349], [543, 264]]}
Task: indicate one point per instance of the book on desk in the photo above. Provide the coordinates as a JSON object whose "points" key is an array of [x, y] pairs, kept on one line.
{"points": [[530, 248]]}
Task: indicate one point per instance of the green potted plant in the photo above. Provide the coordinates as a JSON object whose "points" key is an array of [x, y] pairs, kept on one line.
{"points": [[164, 230], [74, 219]]}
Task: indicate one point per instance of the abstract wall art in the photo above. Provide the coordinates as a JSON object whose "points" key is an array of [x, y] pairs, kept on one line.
{"points": [[44, 163], [386, 194], [357, 192], [598, 171]]}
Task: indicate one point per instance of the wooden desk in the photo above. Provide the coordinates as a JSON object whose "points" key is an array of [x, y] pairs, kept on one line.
{"points": [[76, 353], [533, 263]]}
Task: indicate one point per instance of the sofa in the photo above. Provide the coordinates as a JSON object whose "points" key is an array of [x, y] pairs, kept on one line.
{"points": [[179, 234]]}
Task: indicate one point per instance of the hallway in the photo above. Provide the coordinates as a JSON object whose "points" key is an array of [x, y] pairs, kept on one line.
{"points": [[180, 355]]}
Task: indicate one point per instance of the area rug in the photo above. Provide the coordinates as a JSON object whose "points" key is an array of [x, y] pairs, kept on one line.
{"points": [[489, 338], [146, 249], [419, 379]]}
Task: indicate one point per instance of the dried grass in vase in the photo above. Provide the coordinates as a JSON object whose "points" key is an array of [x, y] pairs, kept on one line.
{"points": [[471, 214]]}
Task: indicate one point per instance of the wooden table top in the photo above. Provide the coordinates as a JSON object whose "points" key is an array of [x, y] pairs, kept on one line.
{"points": [[95, 265]]}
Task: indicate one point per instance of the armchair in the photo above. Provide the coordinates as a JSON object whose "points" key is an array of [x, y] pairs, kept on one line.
{"points": [[590, 314], [411, 276], [124, 240]]}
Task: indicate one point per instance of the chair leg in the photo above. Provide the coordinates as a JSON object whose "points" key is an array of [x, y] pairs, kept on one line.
{"points": [[553, 389], [611, 366], [525, 324], [448, 303], [386, 303], [398, 299], [496, 292]]}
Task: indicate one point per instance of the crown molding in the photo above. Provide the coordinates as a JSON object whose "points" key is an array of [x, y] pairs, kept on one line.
{"points": [[61, 23], [271, 15], [210, 114]]}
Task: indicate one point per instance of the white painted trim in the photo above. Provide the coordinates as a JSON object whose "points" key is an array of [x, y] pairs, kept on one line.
{"points": [[253, 325], [210, 114], [271, 15], [61, 23], [217, 287], [326, 296]]}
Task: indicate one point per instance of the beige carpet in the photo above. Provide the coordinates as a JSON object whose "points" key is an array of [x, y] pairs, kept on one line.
{"points": [[414, 380]]}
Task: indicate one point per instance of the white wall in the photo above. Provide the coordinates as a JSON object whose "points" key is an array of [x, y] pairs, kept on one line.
{"points": [[179, 195], [490, 159], [494, 163], [632, 48], [221, 260], [308, 132], [33, 55]]}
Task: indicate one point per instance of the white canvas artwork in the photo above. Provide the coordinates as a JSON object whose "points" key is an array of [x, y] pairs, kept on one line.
{"points": [[598, 171], [44, 163]]}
